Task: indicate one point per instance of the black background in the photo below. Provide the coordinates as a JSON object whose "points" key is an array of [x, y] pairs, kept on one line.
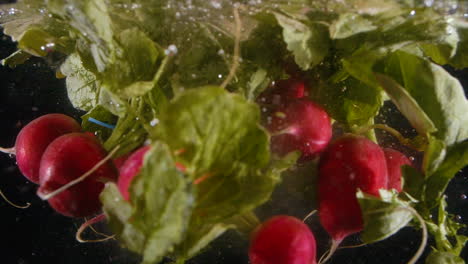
{"points": [[39, 235]]}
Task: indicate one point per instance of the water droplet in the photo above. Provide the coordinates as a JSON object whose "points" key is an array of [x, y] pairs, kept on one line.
{"points": [[171, 50], [216, 4], [411, 158], [220, 76], [428, 3], [458, 218], [463, 196], [154, 122], [221, 52]]}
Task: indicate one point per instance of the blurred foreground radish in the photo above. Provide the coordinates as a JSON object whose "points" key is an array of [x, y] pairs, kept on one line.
{"points": [[350, 163], [67, 158], [282, 240], [301, 125], [34, 138]]}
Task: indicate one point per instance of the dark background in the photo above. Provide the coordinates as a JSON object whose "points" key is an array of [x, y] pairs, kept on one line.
{"points": [[39, 235]]}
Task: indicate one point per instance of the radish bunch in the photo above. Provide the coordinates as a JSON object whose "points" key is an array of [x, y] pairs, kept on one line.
{"points": [[295, 122], [53, 152]]}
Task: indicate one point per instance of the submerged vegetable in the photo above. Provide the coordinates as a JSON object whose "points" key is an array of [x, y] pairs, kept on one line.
{"points": [[195, 78], [67, 158], [34, 138], [282, 240], [349, 164]]}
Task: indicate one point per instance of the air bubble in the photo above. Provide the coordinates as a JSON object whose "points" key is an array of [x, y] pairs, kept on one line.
{"points": [[463, 197], [220, 76], [154, 122], [411, 158], [216, 4], [458, 218], [171, 50]]}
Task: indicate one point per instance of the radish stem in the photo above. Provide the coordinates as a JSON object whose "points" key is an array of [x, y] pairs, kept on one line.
{"points": [[235, 58]]}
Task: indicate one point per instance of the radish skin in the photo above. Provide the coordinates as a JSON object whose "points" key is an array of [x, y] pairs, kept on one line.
{"points": [[67, 158], [350, 163], [282, 240], [395, 160], [129, 169], [34, 138], [301, 125]]}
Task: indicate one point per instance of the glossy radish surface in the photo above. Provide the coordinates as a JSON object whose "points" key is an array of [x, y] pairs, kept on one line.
{"points": [[301, 125], [283, 91], [282, 240], [349, 163], [395, 160], [129, 169], [67, 158], [34, 138]]}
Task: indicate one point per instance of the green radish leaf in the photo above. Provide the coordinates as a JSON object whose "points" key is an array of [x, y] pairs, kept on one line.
{"points": [[82, 87], [224, 149], [443, 257], [350, 102], [413, 182], [161, 201], [198, 237], [101, 114], [433, 89], [16, 58], [383, 216], [257, 84], [349, 24], [226, 155], [132, 66], [451, 50], [118, 213], [128, 134], [407, 105], [455, 160], [308, 42]]}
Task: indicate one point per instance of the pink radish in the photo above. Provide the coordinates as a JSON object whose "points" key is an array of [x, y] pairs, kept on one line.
{"points": [[395, 160], [283, 91], [350, 163], [67, 158], [282, 240], [129, 169], [301, 125], [34, 138]]}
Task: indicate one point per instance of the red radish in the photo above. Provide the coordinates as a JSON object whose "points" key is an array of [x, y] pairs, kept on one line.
{"points": [[129, 169], [118, 162], [350, 163], [34, 138], [395, 160], [283, 91], [301, 125], [283, 240], [67, 158]]}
